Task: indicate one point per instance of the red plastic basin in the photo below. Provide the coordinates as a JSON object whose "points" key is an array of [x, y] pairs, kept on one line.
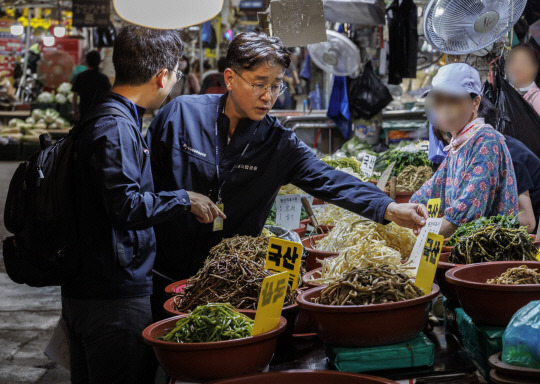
{"points": [[491, 303], [367, 325], [314, 254], [307, 377], [211, 361]]}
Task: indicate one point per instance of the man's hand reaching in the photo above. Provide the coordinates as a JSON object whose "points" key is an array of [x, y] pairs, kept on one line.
{"points": [[203, 208], [412, 216]]}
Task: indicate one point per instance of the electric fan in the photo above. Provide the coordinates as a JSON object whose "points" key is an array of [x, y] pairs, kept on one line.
{"points": [[459, 27], [338, 55]]}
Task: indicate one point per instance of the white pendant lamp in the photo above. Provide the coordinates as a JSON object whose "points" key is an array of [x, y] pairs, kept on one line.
{"points": [[167, 14], [17, 29], [59, 31], [48, 40]]}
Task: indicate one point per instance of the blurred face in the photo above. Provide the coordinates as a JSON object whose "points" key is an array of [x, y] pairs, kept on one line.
{"points": [[254, 92], [521, 68], [451, 113]]}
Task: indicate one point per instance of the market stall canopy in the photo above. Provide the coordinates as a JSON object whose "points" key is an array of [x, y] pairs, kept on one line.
{"points": [[360, 12], [36, 4], [167, 14]]}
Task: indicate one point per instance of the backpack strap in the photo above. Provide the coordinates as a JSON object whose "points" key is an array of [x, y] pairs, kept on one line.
{"points": [[107, 110]]}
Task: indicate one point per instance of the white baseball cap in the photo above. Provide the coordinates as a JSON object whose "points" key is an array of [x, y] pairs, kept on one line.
{"points": [[457, 79]]}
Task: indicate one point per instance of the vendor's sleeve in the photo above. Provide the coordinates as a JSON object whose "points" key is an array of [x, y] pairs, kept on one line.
{"points": [[317, 178]]}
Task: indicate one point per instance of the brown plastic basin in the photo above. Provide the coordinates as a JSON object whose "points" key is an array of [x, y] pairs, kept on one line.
{"points": [[402, 197], [313, 274], [367, 325], [307, 377], [212, 361], [176, 287], [447, 290], [314, 254], [301, 230], [491, 303]]}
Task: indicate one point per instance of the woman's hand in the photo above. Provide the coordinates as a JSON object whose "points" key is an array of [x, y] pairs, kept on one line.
{"points": [[408, 215]]}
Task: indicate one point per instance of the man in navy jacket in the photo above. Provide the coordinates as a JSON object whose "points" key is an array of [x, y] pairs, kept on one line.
{"points": [[228, 148], [106, 305]]}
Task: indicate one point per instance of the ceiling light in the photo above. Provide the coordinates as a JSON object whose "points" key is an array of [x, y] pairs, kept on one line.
{"points": [[48, 40], [59, 31], [167, 14], [17, 29]]}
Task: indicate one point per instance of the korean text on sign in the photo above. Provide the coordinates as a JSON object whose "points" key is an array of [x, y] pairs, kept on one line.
{"points": [[284, 255]]}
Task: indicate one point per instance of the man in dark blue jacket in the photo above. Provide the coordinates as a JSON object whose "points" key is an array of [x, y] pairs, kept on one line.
{"points": [[106, 305], [228, 148]]}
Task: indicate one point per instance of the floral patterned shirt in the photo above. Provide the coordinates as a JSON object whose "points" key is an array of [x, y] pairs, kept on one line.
{"points": [[476, 180]]}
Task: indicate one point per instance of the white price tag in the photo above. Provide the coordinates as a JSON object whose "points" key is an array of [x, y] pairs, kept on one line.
{"points": [[424, 146], [368, 163], [432, 225], [288, 210]]}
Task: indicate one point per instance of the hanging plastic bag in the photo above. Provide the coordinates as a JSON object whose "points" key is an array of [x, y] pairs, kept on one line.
{"points": [[521, 339], [368, 95], [517, 118], [338, 106], [315, 98]]}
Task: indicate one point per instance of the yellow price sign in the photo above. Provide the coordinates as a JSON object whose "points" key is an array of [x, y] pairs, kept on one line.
{"points": [[538, 255], [283, 255], [270, 303], [433, 207], [428, 263]]}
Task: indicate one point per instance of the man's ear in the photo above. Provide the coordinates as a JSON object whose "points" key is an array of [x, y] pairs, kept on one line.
{"points": [[228, 75], [160, 78]]}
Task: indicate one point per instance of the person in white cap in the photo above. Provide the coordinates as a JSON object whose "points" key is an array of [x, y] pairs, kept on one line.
{"points": [[477, 177]]}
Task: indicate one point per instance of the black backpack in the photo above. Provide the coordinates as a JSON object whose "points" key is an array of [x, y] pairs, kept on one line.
{"points": [[41, 211]]}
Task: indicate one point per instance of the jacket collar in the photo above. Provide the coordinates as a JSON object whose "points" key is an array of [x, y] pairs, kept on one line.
{"points": [[135, 110]]}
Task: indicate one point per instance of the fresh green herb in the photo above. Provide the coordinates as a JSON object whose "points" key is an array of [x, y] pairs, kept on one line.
{"points": [[404, 159], [211, 322], [504, 221]]}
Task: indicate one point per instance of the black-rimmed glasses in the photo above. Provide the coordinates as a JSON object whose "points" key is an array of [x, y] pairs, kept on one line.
{"points": [[260, 89]]}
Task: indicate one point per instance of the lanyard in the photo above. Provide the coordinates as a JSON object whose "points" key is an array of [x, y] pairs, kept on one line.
{"points": [[221, 184]]}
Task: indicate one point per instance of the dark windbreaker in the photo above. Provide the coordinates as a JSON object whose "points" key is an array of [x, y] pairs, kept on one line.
{"points": [[182, 143]]}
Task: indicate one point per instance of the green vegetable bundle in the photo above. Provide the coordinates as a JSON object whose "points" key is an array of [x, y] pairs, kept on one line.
{"points": [[494, 243], [504, 221], [404, 159], [211, 322], [344, 162]]}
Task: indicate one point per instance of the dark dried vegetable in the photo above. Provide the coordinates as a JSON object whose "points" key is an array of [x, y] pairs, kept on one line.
{"points": [[253, 248], [494, 243], [235, 279], [505, 221], [516, 276], [369, 285]]}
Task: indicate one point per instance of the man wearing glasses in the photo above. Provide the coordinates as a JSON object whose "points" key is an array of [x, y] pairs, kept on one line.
{"points": [[228, 148]]}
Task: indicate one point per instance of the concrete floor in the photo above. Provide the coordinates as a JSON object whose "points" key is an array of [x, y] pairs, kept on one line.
{"points": [[27, 319]]}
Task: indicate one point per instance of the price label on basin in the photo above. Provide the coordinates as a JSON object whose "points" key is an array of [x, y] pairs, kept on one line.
{"points": [[368, 163], [284, 256], [432, 225], [270, 303], [433, 207], [428, 263]]}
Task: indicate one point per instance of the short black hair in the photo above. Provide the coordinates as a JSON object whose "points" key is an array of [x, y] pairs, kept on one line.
{"points": [[221, 64], [140, 53], [93, 58], [249, 49]]}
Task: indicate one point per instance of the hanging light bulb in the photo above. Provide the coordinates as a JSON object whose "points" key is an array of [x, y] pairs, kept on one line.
{"points": [[59, 31], [48, 40], [17, 29], [167, 14]]}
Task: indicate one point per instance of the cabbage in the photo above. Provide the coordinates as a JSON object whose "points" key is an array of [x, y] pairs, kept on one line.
{"points": [[40, 126], [61, 122], [64, 88], [30, 120], [51, 115], [60, 98], [38, 114], [15, 122], [45, 98]]}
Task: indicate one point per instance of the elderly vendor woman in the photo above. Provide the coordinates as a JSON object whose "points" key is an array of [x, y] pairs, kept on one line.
{"points": [[477, 177]]}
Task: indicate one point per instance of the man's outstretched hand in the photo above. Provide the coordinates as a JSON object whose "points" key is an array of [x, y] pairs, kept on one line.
{"points": [[412, 216], [203, 208]]}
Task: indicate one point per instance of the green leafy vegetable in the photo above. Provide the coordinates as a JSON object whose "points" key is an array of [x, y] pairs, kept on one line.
{"points": [[211, 322], [404, 159]]}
